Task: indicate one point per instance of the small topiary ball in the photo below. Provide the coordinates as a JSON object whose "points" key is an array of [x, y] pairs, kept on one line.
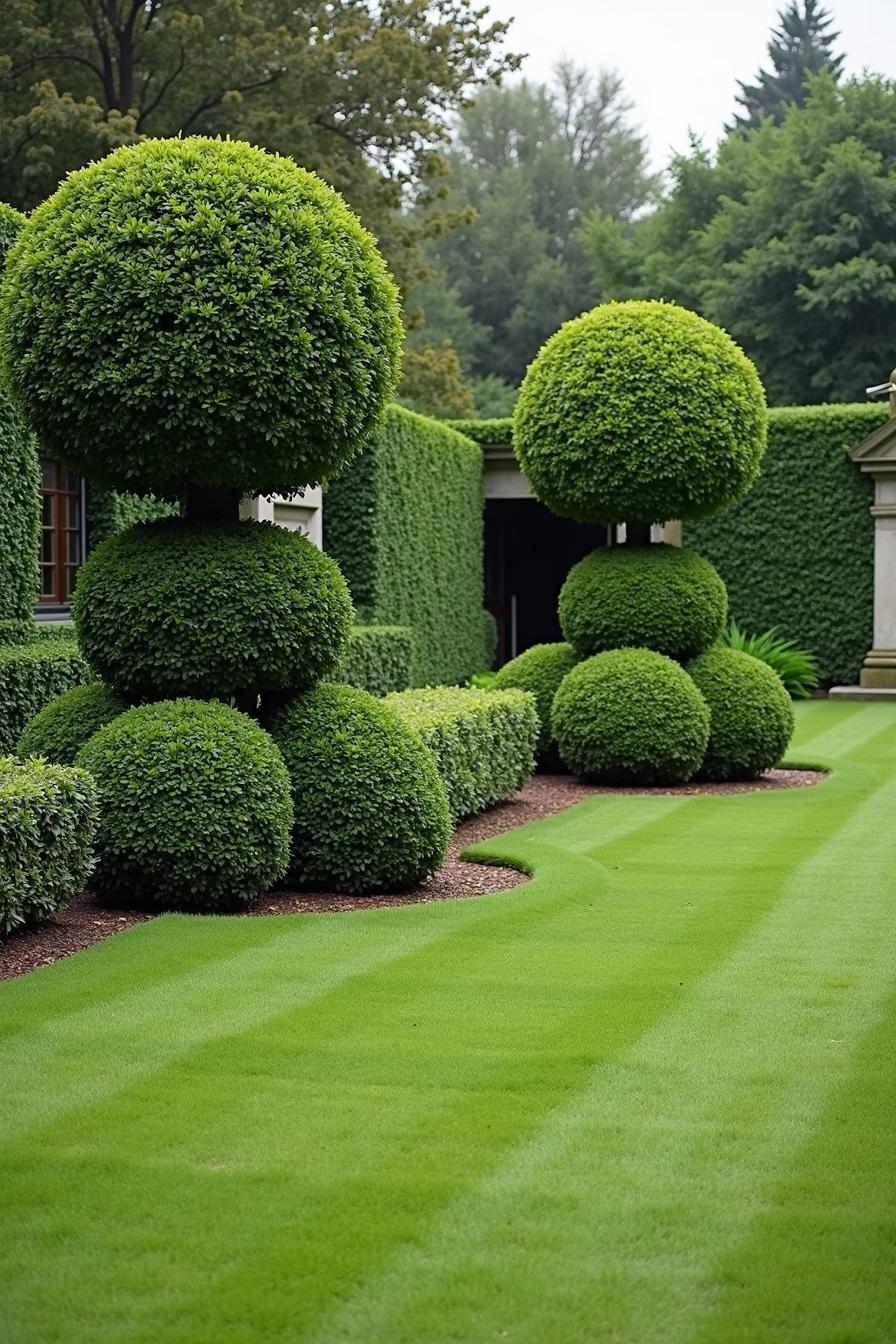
{"points": [[63, 726], [640, 411], [194, 806], [371, 813], [175, 608], [751, 716], [202, 312], [630, 716], [657, 597], [539, 669]]}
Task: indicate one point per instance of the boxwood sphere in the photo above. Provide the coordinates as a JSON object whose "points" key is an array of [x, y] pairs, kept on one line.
{"points": [[640, 411], [199, 311], [176, 608], [630, 716], [657, 597], [194, 806], [62, 727], [539, 669], [751, 716], [371, 813]]}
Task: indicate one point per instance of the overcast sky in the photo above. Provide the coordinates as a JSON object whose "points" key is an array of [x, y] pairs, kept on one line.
{"points": [[680, 59]]}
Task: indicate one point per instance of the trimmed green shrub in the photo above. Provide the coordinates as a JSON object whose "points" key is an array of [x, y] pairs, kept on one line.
{"points": [[497, 429], [176, 608], [31, 675], [750, 714], [379, 658], [19, 516], [111, 511], [199, 311], [404, 521], [12, 222], [630, 716], [62, 727], [653, 597], [798, 552], [195, 812], [370, 809], [540, 670], [640, 411], [797, 668], [47, 818], [483, 741], [34, 632]]}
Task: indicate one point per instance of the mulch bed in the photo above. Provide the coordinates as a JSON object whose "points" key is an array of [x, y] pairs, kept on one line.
{"points": [[85, 921]]}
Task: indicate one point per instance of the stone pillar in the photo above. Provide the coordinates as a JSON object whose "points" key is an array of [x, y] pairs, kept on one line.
{"points": [[876, 456]]}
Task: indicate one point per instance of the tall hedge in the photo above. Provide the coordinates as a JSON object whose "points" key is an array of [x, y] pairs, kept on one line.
{"points": [[19, 516], [404, 521], [798, 551]]}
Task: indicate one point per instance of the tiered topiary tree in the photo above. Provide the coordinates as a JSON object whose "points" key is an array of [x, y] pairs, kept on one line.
{"points": [[203, 320], [638, 413]]}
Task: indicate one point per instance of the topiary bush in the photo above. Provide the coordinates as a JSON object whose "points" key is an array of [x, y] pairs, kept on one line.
{"points": [[483, 742], [751, 715], [379, 658], [175, 608], [371, 812], [47, 819], [540, 670], [62, 727], [195, 811], [31, 675], [640, 411], [197, 311], [630, 716], [656, 597]]}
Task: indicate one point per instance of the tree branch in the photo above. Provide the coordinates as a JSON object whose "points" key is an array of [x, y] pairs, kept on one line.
{"points": [[214, 99]]}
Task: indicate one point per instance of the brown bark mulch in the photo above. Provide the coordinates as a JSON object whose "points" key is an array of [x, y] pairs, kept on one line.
{"points": [[85, 921]]}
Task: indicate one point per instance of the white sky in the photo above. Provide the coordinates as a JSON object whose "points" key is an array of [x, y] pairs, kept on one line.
{"points": [[681, 59]]}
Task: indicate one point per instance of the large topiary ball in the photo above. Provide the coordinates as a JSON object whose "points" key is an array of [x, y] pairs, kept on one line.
{"points": [[751, 717], [194, 806], [654, 597], [199, 311], [630, 716], [63, 726], [371, 813], [640, 411], [175, 608], [539, 669]]}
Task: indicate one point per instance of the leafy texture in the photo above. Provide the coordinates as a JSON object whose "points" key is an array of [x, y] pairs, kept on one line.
{"points": [[195, 812], [539, 670], [797, 668], [404, 521], [31, 675], [800, 46], [47, 817], [630, 716], [750, 714], [174, 608], [658, 597], [483, 741], [19, 516], [199, 312], [62, 727], [111, 511], [379, 658], [640, 411], [497, 429], [370, 809]]}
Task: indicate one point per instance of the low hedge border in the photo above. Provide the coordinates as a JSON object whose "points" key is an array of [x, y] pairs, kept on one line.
{"points": [[379, 658], [31, 675], [34, 632]]}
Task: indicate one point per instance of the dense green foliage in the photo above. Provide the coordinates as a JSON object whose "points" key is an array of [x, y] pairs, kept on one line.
{"points": [[800, 47], [379, 658], [640, 411], [31, 675], [404, 521], [19, 515], [194, 806], [371, 813], [497, 429], [797, 668], [661, 597], [199, 312], [11, 224], [539, 670], [31, 631], [750, 714], [112, 511], [62, 727], [798, 552], [483, 741], [173, 608], [630, 716], [47, 816]]}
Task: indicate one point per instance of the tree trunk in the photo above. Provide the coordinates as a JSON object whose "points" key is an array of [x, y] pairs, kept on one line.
{"points": [[210, 504], [637, 534]]}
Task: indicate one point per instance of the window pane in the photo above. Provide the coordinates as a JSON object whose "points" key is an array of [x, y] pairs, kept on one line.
{"points": [[74, 511], [47, 551], [47, 510], [48, 473], [48, 581], [74, 548], [70, 480], [70, 572]]}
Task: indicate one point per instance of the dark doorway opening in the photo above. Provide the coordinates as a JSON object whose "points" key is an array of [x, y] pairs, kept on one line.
{"points": [[528, 553]]}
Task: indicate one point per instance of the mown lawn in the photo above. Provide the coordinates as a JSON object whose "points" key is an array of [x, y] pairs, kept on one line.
{"points": [[648, 1096]]}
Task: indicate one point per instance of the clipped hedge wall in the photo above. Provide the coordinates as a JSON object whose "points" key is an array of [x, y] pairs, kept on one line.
{"points": [[483, 741], [112, 511], [404, 521], [379, 658], [19, 516], [498, 429], [31, 675], [798, 551]]}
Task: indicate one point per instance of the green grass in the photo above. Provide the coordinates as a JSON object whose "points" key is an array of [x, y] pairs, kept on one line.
{"points": [[648, 1096]]}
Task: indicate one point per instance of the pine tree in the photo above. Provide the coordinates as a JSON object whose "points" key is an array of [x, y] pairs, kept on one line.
{"points": [[801, 46]]}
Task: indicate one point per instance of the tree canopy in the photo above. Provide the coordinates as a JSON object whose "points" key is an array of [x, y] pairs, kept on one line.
{"points": [[802, 45]]}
